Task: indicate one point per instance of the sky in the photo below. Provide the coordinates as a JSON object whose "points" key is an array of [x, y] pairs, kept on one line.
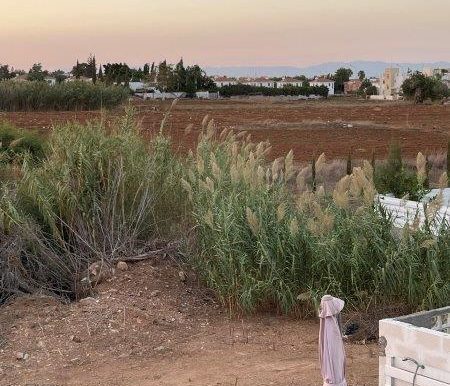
{"points": [[223, 32]]}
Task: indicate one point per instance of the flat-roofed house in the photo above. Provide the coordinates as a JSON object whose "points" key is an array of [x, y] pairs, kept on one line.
{"points": [[290, 82], [260, 82], [222, 81], [328, 83]]}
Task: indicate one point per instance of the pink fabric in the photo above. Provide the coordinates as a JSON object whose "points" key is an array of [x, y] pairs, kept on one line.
{"points": [[331, 346]]}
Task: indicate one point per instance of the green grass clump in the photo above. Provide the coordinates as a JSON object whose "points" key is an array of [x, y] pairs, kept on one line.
{"points": [[76, 95], [15, 143]]}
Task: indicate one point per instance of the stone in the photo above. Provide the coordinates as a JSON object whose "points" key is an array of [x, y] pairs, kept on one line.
{"points": [[182, 276], [22, 356], [122, 266], [160, 348], [155, 293], [88, 301], [75, 339]]}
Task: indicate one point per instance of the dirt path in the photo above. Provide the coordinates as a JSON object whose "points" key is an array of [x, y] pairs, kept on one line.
{"points": [[146, 327]]}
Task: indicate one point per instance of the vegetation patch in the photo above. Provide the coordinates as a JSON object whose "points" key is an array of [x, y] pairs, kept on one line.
{"points": [[76, 95]]}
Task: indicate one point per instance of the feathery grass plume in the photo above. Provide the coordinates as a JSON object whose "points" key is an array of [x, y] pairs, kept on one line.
{"points": [[429, 243], [421, 165], [260, 149], [369, 193], [276, 167], [192, 177], [268, 176], [301, 179], [305, 200], [289, 165], [432, 208], [293, 227], [224, 134], [200, 164], [241, 134], [210, 130], [252, 221], [234, 149], [281, 212], [234, 174], [209, 184], [320, 192], [443, 180], [327, 222], [267, 151], [260, 175], [320, 163], [166, 116], [205, 122], [209, 218], [368, 170], [188, 128], [340, 193], [188, 188]]}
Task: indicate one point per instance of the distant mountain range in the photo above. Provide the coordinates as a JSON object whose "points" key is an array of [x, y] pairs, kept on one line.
{"points": [[369, 67]]}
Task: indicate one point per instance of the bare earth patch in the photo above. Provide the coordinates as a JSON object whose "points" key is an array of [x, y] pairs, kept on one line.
{"points": [[146, 327]]}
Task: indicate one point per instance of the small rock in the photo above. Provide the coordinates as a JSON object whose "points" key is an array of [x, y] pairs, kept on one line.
{"points": [[155, 293], [122, 266], [182, 276], [22, 356], [88, 301], [160, 348], [75, 339]]}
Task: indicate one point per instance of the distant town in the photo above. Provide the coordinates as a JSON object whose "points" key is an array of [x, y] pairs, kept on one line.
{"points": [[167, 81]]}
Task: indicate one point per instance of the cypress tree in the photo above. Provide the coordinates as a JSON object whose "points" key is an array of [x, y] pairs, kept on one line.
{"points": [[349, 163], [313, 173]]}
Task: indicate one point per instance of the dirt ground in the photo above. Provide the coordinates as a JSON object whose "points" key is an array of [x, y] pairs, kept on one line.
{"points": [[336, 126], [147, 327]]}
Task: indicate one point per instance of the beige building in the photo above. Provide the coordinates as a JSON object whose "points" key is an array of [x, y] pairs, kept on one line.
{"points": [[391, 82]]}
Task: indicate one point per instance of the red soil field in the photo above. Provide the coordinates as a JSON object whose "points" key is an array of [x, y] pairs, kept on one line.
{"points": [[335, 126]]}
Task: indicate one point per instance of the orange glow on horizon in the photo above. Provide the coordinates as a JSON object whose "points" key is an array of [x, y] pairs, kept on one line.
{"points": [[223, 32]]}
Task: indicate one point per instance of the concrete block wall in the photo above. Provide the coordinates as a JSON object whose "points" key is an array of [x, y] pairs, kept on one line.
{"points": [[426, 346]]}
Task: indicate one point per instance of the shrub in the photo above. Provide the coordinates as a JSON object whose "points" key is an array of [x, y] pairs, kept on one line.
{"points": [[394, 177], [15, 143], [100, 194], [244, 89], [77, 95], [419, 87]]}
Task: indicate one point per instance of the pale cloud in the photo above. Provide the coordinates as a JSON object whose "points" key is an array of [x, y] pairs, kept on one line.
{"points": [[224, 32]]}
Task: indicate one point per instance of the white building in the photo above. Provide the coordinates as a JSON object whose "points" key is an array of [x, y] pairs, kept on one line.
{"points": [[221, 81], [50, 80], [328, 83], [260, 82], [290, 82]]}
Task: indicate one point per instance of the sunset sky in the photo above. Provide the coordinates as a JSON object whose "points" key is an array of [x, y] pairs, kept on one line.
{"points": [[223, 32]]}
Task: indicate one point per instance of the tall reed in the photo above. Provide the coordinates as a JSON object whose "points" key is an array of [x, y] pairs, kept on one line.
{"points": [[262, 244], [77, 95]]}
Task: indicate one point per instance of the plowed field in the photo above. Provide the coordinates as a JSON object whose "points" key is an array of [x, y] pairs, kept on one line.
{"points": [[335, 127]]}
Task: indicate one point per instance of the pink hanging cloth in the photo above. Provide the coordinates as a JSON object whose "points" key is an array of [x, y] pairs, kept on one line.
{"points": [[331, 346]]}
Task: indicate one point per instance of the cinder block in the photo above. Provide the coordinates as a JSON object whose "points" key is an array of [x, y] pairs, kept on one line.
{"points": [[428, 340]]}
